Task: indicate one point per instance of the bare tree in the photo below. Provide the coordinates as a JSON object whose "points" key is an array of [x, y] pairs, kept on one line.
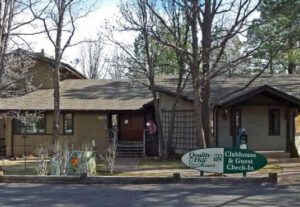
{"points": [[17, 77], [12, 19], [93, 59], [117, 64], [58, 19], [146, 59], [212, 23], [135, 18]]}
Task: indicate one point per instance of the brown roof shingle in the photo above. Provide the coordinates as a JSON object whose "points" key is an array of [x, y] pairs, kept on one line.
{"points": [[84, 95], [126, 95], [224, 89]]}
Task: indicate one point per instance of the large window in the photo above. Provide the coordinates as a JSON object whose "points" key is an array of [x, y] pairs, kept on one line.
{"points": [[30, 127], [68, 123], [274, 122]]}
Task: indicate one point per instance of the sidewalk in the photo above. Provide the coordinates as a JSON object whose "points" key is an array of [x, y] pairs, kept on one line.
{"points": [[126, 164]]}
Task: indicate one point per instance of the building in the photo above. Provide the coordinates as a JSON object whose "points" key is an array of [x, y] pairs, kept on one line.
{"points": [[95, 111], [266, 109]]}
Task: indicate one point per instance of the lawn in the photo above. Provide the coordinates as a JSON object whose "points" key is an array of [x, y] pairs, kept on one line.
{"points": [[161, 164], [275, 168], [18, 168]]}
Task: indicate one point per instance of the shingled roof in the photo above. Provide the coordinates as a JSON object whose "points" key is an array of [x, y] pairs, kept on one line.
{"points": [[225, 89], [84, 95], [126, 95]]}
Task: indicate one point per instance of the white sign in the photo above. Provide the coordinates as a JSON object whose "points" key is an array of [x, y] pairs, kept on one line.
{"points": [[207, 160]]}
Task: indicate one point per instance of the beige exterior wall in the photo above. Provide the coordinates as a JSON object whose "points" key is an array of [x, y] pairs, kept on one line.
{"points": [[8, 135], [88, 126], [42, 75], [255, 119], [182, 132], [166, 102]]}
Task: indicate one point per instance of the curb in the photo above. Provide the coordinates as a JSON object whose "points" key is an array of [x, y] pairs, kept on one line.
{"points": [[176, 179]]}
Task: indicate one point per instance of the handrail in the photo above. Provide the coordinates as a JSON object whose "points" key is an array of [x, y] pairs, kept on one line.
{"points": [[114, 137]]}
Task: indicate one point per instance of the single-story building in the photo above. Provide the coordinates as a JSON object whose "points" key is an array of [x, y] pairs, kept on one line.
{"points": [[89, 111], [94, 111], [266, 109]]}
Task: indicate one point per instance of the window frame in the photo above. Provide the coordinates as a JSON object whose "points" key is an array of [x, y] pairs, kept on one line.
{"points": [[273, 132], [64, 125], [22, 125]]}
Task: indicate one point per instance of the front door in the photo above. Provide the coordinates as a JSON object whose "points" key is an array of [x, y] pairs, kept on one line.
{"points": [[131, 126], [2, 137]]}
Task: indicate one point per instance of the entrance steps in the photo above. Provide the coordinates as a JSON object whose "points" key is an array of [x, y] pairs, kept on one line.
{"points": [[130, 149], [275, 154]]}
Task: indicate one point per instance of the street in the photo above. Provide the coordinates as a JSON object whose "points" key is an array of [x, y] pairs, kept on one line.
{"points": [[148, 195]]}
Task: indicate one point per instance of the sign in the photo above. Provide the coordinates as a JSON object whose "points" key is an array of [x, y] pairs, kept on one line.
{"points": [[224, 160]]}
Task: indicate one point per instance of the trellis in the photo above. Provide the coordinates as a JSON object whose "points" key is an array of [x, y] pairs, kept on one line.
{"points": [[184, 135]]}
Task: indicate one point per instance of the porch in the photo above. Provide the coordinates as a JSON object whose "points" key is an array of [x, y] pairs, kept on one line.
{"points": [[128, 131], [131, 148]]}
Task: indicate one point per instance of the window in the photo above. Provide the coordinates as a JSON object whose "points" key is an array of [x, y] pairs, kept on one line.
{"points": [[274, 122], [37, 127], [68, 123]]}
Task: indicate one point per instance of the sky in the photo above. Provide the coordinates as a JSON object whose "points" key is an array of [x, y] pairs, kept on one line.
{"points": [[86, 28]]}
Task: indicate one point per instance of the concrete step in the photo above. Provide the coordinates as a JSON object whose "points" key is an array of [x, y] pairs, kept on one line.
{"points": [[275, 154]]}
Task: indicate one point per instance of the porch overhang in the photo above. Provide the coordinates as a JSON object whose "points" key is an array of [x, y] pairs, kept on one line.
{"points": [[266, 90]]}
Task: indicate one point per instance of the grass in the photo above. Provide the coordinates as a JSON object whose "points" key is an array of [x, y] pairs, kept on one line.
{"points": [[18, 168], [161, 164], [271, 168]]}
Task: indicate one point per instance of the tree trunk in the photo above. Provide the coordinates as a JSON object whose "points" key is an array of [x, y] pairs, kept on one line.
{"points": [[206, 114], [56, 101], [179, 89], [56, 78], [159, 124], [291, 60], [291, 67], [205, 85], [201, 142], [194, 67], [168, 147]]}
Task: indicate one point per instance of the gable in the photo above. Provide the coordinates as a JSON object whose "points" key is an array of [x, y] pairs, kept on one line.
{"points": [[262, 95]]}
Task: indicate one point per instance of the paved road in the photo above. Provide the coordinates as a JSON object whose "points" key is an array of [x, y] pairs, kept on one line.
{"points": [[39, 195]]}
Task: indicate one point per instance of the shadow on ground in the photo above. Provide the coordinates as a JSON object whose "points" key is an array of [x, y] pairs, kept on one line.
{"points": [[148, 195]]}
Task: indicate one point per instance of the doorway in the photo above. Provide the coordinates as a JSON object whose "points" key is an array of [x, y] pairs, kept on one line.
{"points": [[131, 126]]}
